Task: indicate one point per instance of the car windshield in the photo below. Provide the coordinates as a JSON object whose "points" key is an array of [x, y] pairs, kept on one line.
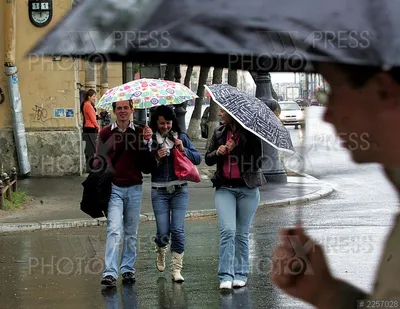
{"points": [[289, 106]]}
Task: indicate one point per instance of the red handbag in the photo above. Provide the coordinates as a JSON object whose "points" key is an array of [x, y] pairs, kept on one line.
{"points": [[184, 168]]}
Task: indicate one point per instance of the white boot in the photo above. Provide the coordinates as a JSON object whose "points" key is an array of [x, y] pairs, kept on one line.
{"points": [[161, 251], [177, 260]]}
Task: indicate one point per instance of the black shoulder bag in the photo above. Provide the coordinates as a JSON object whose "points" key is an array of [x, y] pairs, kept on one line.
{"points": [[97, 188]]}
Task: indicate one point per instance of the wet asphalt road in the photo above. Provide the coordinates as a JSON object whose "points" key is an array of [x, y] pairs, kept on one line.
{"points": [[62, 269]]}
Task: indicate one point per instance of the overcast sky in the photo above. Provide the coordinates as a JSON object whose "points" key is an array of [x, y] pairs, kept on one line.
{"points": [[282, 77]]}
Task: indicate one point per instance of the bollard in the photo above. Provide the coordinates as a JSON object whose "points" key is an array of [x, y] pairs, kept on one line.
{"points": [[14, 177], [7, 183], [1, 195]]}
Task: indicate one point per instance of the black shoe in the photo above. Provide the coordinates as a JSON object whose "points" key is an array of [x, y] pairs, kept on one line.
{"points": [[109, 281], [128, 277], [108, 291]]}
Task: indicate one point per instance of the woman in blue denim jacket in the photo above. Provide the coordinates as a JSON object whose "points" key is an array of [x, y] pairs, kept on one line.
{"points": [[169, 195]]}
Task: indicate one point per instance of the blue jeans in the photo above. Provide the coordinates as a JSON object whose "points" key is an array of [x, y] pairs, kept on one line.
{"points": [[123, 217], [170, 211], [236, 208]]}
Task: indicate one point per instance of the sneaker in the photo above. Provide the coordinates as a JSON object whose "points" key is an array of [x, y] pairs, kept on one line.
{"points": [[109, 281], [225, 285], [239, 283], [128, 277]]}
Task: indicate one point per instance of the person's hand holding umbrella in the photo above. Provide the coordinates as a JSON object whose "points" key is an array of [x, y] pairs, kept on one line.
{"points": [[147, 132]]}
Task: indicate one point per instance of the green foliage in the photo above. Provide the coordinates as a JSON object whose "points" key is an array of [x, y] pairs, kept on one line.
{"points": [[18, 198], [136, 67]]}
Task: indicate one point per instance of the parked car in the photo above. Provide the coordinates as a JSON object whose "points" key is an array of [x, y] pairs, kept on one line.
{"points": [[301, 102], [204, 122], [314, 102], [292, 114]]}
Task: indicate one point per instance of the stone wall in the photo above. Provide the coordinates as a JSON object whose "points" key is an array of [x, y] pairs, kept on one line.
{"points": [[8, 154], [51, 153]]}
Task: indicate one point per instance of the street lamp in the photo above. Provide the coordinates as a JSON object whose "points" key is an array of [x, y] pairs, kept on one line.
{"points": [[271, 168]]}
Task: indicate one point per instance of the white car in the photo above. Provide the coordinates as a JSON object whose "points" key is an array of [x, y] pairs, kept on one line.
{"points": [[292, 114]]}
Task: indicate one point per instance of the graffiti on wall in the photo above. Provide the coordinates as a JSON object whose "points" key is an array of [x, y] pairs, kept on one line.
{"points": [[46, 110], [40, 114], [43, 114]]}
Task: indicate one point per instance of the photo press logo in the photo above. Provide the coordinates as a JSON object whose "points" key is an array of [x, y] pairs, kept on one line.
{"points": [[276, 51], [295, 51], [96, 47], [82, 255]]}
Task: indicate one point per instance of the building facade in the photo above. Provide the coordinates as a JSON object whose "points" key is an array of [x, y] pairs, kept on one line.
{"points": [[50, 89], [50, 95]]}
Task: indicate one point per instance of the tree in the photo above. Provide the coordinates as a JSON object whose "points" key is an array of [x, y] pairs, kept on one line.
{"points": [[136, 67], [177, 75], [169, 72], [188, 76], [213, 121], [232, 77], [194, 125]]}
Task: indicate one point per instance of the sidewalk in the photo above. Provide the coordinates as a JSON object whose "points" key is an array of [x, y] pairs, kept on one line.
{"points": [[55, 202]]}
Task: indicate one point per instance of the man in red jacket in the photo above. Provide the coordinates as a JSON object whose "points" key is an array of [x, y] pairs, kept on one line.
{"points": [[125, 148]]}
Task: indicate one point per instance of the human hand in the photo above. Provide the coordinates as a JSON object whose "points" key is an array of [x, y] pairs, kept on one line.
{"points": [[147, 132], [161, 153], [179, 145], [230, 144], [222, 150], [300, 269]]}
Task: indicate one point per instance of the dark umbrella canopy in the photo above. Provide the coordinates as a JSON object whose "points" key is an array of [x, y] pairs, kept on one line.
{"points": [[252, 114], [107, 30], [281, 35]]}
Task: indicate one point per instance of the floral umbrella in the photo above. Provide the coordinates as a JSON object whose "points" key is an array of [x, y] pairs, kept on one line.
{"points": [[147, 93]]}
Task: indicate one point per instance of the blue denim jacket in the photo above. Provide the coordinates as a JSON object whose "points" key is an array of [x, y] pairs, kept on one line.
{"points": [[165, 172]]}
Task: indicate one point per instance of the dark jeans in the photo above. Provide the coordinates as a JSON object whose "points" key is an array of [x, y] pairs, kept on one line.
{"points": [[89, 135]]}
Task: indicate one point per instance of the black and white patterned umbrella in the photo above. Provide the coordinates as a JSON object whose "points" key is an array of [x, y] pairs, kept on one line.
{"points": [[253, 114]]}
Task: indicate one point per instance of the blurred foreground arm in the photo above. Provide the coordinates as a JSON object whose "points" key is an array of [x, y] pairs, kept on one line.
{"points": [[300, 269]]}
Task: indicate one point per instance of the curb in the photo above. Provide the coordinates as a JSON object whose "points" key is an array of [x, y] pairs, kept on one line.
{"points": [[147, 217]]}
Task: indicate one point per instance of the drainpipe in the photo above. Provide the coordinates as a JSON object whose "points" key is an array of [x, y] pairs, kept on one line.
{"points": [[13, 89], [78, 116]]}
